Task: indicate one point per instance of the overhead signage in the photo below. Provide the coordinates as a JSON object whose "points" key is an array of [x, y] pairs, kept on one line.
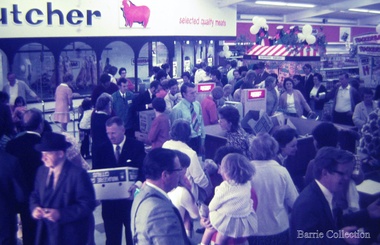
{"points": [[75, 18], [370, 38], [372, 50]]}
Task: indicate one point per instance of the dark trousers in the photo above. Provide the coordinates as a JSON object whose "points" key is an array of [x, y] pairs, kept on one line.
{"points": [[85, 144], [8, 228], [29, 226], [343, 118], [115, 214]]}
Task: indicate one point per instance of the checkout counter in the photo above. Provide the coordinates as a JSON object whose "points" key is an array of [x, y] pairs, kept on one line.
{"points": [[297, 165]]}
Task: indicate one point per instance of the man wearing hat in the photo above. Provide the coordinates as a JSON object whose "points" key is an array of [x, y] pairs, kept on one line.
{"points": [[63, 198]]}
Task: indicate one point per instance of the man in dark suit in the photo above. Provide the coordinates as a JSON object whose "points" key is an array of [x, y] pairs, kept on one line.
{"points": [[63, 198], [315, 219], [141, 102], [308, 81], [22, 147], [154, 218], [261, 74], [11, 195], [119, 151]]}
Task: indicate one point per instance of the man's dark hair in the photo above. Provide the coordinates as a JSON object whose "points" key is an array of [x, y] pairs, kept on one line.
{"points": [[172, 82], [155, 84], [114, 120], [325, 134], [216, 73], [32, 119], [185, 86], [284, 135], [328, 158], [157, 161], [121, 80]]}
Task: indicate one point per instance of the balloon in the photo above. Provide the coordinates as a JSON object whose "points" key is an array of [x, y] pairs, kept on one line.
{"points": [[254, 29], [255, 19], [262, 22], [228, 54], [307, 30], [266, 27], [301, 37], [378, 28], [221, 54], [225, 48], [311, 39]]}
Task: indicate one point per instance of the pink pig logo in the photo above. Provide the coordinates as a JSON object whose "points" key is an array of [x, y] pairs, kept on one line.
{"points": [[133, 13]]}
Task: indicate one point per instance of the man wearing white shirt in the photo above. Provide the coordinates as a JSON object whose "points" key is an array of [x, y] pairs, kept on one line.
{"points": [[345, 99], [17, 88], [315, 218]]}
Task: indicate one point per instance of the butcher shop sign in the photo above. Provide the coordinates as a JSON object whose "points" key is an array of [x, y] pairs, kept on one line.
{"points": [[91, 18]]}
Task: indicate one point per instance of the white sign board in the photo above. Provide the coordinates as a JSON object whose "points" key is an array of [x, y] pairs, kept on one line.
{"points": [[113, 183], [254, 99], [91, 18]]}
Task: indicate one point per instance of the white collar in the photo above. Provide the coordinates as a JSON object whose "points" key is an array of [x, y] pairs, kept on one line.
{"points": [[328, 195], [157, 188], [121, 144]]}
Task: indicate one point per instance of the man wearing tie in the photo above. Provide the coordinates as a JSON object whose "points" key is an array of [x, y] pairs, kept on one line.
{"points": [[119, 151], [155, 220], [190, 109], [63, 198], [121, 101]]}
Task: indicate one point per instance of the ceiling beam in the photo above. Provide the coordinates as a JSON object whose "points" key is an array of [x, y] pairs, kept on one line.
{"points": [[327, 9], [226, 3], [374, 20]]}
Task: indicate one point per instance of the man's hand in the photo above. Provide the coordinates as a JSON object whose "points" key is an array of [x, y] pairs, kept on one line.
{"points": [[132, 190], [38, 213], [52, 214]]}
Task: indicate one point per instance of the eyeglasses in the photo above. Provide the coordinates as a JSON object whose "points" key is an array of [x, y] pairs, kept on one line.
{"points": [[341, 174], [175, 170]]}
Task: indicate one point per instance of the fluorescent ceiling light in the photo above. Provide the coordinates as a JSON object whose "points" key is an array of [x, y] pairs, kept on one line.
{"points": [[299, 5], [365, 11]]}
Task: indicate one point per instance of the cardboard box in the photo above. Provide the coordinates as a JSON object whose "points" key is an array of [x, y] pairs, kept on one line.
{"points": [[146, 118], [113, 183]]}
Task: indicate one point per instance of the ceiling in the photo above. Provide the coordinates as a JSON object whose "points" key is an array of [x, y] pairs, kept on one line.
{"points": [[325, 11]]}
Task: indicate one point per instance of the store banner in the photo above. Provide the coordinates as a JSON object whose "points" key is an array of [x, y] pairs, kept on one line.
{"points": [[372, 50], [369, 38], [91, 18], [365, 69]]}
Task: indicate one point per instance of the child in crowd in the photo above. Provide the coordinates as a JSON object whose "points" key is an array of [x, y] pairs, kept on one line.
{"points": [[231, 211], [18, 111], [85, 127]]}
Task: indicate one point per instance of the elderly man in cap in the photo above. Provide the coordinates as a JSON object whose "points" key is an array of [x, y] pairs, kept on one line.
{"points": [[63, 198]]}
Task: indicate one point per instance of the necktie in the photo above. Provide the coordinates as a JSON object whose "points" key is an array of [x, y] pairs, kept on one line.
{"points": [[117, 152], [49, 189], [194, 118]]}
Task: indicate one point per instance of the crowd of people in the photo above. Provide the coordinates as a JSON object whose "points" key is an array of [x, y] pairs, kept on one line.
{"points": [[246, 193]]}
